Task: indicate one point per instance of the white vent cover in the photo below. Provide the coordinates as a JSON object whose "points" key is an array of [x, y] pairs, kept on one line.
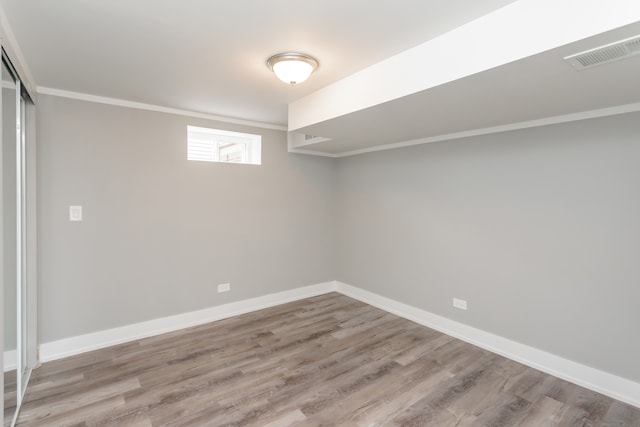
{"points": [[312, 139], [601, 55], [298, 140]]}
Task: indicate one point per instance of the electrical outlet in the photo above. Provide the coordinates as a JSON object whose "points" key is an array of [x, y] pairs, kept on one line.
{"points": [[225, 287], [460, 303], [75, 213]]}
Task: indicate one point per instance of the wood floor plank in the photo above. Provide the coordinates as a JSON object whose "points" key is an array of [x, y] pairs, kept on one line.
{"points": [[10, 396], [287, 419], [545, 412], [620, 415], [323, 361]]}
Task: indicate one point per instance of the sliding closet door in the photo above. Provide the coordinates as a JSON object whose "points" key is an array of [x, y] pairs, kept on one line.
{"points": [[18, 239], [21, 249], [10, 235]]}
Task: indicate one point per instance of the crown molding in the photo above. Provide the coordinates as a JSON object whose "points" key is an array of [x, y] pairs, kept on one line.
{"points": [[151, 107]]}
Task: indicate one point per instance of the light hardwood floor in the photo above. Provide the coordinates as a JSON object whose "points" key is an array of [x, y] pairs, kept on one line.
{"points": [[323, 361], [10, 393]]}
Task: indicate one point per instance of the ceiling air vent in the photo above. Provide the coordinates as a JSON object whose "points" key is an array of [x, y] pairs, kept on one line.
{"points": [[299, 140], [312, 139], [601, 55]]}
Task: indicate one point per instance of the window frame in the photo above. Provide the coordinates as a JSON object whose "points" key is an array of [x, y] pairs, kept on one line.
{"points": [[205, 144]]}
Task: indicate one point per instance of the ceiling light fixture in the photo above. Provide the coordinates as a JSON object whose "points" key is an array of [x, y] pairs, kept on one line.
{"points": [[291, 67]]}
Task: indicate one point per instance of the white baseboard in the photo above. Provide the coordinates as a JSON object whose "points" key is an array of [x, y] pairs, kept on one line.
{"points": [[602, 382], [599, 381], [9, 360], [96, 340]]}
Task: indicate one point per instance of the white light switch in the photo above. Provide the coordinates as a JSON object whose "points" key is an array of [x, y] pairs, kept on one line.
{"points": [[75, 213]]}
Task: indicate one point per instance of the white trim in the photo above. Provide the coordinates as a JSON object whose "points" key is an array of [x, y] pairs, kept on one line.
{"points": [[96, 340], [313, 152], [151, 107], [584, 115], [602, 382], [9, 360]]}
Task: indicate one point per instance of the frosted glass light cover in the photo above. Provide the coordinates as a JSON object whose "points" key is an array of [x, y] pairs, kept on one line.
{"points": [[292, 67], [293, 72]]}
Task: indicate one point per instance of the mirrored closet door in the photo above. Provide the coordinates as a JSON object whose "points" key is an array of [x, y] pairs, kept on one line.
{"points": [[9, 240], [17, 344]]}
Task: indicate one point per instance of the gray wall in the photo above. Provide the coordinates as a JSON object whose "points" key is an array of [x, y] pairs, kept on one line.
{"points": [[159, 232], [539, 230]]}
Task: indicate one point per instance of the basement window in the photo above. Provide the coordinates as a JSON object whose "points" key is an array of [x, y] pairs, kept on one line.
{"points": [[215, 145]]}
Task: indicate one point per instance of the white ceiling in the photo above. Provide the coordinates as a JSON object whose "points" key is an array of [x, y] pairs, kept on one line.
{"points": [[209, 57], [535, 88]]}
